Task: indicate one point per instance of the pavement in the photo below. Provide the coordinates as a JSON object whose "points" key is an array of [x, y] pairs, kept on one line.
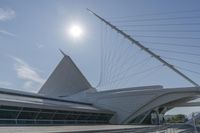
{"points": [[178, 128]]}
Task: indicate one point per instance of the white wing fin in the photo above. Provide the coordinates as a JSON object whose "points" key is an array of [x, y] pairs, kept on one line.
{"points": [[65, 80]]}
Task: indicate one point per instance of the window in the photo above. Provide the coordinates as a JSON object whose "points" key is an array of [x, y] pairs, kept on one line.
{"points": [[25, 121], [71, 117], [31, 109], [6, 114], [43, 122], [10, 107], [29, 116], [83, 116], [45, 116], [7, 121], [59, 116]]}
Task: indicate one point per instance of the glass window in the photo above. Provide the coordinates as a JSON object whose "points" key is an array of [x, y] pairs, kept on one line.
{"points": [[47, 110], [44, 116], [27, 115], [58, 122], [63, 112], [43, 122], [83, 116], [5, 114], [59, 116], [10, 107], [25, 121], [92, 117], [31, 109], [71, 117], [7, 121], [100, 117]]}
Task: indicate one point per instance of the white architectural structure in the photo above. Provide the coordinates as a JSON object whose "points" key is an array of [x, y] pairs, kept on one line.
{"points": [[68, 98]]}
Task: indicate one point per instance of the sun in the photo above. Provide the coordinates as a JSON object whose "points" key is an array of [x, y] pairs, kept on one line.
{"points": [[75, 31]]}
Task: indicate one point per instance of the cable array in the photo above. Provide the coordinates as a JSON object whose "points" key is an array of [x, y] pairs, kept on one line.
{"points": [[167, 35], [157, 14], [120, 61]]}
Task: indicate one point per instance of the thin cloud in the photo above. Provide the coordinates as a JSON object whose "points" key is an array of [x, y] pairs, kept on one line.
{"points": [[31, 86], [6, 14], [39, 45], [24, 71], [4, 32]]}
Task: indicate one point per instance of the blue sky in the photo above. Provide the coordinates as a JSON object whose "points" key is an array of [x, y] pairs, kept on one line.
{"points": [[31, 32]]}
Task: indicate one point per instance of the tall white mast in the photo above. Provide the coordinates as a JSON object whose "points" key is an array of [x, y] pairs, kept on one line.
{"points": [[156, 56]]}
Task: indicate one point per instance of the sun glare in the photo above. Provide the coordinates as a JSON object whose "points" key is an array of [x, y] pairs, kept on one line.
{"points": [[75, 31]]}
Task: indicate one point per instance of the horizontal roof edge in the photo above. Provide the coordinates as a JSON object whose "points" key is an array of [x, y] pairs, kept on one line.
{"points": [[135, 88], [33, 95]]}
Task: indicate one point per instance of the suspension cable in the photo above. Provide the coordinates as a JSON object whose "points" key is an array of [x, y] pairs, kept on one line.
{"points": [[181, 60], [175, 52]]}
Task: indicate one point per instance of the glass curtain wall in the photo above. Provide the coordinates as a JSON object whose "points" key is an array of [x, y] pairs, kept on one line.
{"points": [[30, 116]]}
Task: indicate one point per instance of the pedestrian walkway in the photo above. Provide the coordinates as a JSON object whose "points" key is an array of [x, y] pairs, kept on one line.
{"points": [[178, 128]]}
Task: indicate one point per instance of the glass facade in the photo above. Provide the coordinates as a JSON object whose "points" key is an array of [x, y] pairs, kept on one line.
{"points": [[37, 116]]}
